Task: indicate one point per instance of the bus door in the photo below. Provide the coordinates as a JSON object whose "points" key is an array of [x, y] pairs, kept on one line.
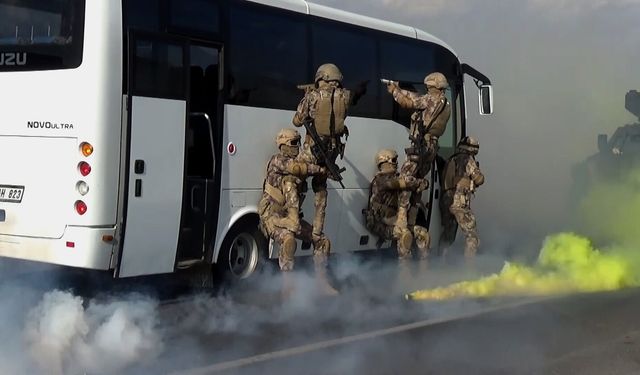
{"points": [[200, 200], [155, 162]]}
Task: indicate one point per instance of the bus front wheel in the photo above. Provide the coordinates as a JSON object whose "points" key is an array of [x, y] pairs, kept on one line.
{"points": [[243, 252]]}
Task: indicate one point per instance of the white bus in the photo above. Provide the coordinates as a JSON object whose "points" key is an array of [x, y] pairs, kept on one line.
{"points": [[134, 134]]}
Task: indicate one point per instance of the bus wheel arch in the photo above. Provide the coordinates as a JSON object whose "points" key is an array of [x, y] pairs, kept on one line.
{"points": [[244, 250]]}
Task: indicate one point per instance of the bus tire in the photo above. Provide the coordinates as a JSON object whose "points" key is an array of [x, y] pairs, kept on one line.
{"points": [[243, 252]]}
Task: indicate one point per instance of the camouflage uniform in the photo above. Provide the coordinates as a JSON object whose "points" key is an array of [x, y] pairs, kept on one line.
{"points": [[280, 205], [430, 119], [383, 207], [462, 177], [279, 209], [326, 105]]}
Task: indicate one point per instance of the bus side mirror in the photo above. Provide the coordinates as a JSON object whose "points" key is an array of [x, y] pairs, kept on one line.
{"points": [[486, 100], [602, 143]]}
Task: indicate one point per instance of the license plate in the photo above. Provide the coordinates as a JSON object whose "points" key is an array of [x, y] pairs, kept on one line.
{"points": [[11, 193]]}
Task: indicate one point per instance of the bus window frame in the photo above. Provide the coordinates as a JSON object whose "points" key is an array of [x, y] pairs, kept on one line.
{"points": [[359, 31], [133, 35], [73, 52]]}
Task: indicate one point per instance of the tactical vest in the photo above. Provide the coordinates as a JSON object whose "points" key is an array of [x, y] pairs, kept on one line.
{"points": [[439, 124], [382, 203], [455, 172], [330, 113]]}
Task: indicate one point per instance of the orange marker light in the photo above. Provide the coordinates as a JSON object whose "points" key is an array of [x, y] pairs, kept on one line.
{"points": [[86, 148]]}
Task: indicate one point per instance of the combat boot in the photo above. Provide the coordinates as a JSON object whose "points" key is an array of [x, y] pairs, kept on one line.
{"points": [[404, 278], [288, 285], [471, 246], [423, 242], [423, 266], [322, 279]]}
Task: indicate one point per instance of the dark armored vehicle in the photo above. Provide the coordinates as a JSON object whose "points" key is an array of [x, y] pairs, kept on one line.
{"points": [[616, 156]]}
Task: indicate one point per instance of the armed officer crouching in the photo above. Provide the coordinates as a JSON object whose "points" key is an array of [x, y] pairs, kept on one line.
{"points": [[279, 210], [383, 206], [428, 123], [323, 110]]}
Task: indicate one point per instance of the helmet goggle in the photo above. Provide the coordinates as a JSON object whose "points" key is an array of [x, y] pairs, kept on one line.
{"points": [[294, 142]]}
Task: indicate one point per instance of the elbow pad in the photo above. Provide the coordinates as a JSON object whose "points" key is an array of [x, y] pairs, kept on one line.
{"points": [[297, 169], [478, 179]]}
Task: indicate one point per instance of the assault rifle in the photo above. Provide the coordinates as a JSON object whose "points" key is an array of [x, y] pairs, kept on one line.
{"points": [[322, 155], [307, 87], [418, 145]]}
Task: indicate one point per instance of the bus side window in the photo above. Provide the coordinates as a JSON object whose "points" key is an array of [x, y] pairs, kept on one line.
{"points": [[143, 14], [268, 57], [197, 88], [354, 52], [395, 64], [196, 16], [199, 153], [159, 69]]}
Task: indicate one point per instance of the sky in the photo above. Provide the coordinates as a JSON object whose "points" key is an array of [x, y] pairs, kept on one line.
{"points": [[560, 70]]}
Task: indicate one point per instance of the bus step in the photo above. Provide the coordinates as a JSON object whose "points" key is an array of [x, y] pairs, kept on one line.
{"points": [[188, 263]]}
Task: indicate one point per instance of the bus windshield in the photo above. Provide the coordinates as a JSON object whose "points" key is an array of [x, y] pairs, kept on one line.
{"points": [[41, 34]]}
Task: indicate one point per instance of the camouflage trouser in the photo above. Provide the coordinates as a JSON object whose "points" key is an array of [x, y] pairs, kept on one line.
{"points": [[459, 212], [403, 237], [417, 166], [449, 223], [286, 240], [319, 187]]}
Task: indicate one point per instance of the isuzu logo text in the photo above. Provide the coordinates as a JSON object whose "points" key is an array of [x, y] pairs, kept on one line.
{"points": [[13, 58]]}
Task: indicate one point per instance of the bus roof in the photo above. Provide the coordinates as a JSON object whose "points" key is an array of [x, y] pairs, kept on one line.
{"points": [[306, 7]]}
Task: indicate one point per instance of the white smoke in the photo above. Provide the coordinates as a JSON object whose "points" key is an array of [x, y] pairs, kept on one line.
{"points": [[64, 337]]}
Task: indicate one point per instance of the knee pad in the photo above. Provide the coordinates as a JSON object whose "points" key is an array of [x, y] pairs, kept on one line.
{"points": [[288, 248], [405, 239]]}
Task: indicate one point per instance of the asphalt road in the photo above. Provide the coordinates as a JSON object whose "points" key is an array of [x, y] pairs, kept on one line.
{"points": [[369, 329], [586, 334]]}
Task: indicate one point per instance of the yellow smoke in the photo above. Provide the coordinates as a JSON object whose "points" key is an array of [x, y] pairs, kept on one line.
{"points": [[611, 210], [569, 263]]}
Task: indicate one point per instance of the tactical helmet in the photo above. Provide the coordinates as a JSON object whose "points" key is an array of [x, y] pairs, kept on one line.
{"points": [[328, 72], [386, 156], [437, 80], [469, 144], [289, 137]]}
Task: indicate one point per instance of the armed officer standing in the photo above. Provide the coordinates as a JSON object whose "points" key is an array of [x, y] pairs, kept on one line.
{"points": [[462, 177], [428, 123], [324, 109], [279, 210]]}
